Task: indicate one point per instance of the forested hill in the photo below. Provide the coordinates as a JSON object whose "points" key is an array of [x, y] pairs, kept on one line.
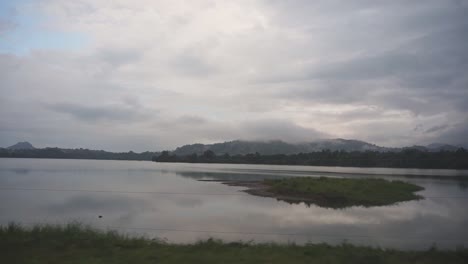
{"points": [[407, 158], [240, 147], [332, 152], [59, 153]]}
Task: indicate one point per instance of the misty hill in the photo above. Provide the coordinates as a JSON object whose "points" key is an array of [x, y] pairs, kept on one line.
{"points": [[406, 158], [62, 153], [441, 147], [239, 147], [435, 147], [22, 145]]}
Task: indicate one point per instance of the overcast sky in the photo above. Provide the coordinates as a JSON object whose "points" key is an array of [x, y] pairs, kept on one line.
{"points": [[151, 75]]}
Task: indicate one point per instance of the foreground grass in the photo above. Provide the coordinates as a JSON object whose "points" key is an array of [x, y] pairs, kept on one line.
{"points": [[75, 243], [339, 193]]}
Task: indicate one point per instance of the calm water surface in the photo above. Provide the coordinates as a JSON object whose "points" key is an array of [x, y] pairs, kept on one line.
{"points": [[168, 201]]}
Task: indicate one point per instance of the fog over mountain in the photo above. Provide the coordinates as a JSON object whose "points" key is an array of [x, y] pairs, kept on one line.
{"points": [[280, 147], [277, 147], [142, 75], [235, 147]]}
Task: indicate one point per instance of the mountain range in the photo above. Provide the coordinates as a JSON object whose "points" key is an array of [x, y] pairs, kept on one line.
{"points": [[21, 145], [240, 147], [237, 147]]}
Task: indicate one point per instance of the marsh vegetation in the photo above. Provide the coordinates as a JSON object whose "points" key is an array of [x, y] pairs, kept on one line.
{"points": [[334, 192], [75, 243]]}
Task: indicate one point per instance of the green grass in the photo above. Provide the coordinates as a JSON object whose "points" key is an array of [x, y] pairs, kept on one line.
{"points": [[340, 193], [75, 243]]}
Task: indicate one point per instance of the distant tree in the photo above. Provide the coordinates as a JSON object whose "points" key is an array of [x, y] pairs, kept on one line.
{"points": [[209, 155], [193, 158], [409, 158], [461, 151], [164, 157]]}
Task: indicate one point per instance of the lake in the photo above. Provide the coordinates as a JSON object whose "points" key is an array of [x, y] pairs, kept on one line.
{"points": [[168, 201]]}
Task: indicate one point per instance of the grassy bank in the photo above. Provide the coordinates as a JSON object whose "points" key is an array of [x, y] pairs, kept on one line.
{"points": [[77, 244], [339, 193]]}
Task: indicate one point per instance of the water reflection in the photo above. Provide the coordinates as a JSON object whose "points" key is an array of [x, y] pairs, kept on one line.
{"points": [[20, 171], [226, 176], [190, 214], [97, 205], [463, 184]]}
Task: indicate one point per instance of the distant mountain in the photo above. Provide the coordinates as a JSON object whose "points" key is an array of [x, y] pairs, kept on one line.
{"points": [[435, 147], [442, 147], [279, 147], [19, 151], [346, 145], [21, 145], [236, 147], [354, 154]]}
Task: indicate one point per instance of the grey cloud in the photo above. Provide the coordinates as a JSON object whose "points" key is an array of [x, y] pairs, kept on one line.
{"points": [[192, 120], [6, 25], [251, 70], [331, 91], [373, 67], [213, 131], [275, 129], [119, 56], [418, 127], [370, 14], [95, 113], [414, 58], [436, 128], [191, 64], [457, 134], [132, 101], [387, 132], [430, 60], [366, 113]]}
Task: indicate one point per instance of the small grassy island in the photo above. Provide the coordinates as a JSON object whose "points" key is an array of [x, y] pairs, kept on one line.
{"points": [[334, 192], [77, 244]]}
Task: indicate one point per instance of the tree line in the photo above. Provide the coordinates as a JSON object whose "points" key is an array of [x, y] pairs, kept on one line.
{"points": [[408, 158], [59, 153]]}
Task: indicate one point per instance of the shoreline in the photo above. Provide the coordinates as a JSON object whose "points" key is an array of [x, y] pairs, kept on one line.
{"points": [[448, 177], [258, 188]]}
